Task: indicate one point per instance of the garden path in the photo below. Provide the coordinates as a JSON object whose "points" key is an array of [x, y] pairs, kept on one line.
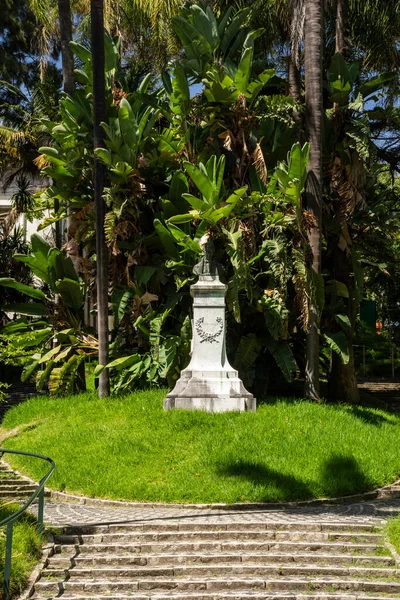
{"points": [[369, 512], [387, 391], [173, 553]]}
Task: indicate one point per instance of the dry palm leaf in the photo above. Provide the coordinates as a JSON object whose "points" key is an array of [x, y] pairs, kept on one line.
{"points": [[259, 163]]}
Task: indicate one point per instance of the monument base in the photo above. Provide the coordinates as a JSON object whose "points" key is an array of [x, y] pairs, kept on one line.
{"points": [[211, 392]]}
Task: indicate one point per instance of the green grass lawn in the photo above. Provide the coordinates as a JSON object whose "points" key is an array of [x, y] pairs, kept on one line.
{"points": [[392, 530], [26, 549], [128, 448]]}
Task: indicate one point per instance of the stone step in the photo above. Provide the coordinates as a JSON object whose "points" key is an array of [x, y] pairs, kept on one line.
{"points": [[59, 561], [281, 584], [179, 536], [15, 481], [222, 596], [195, 527], [215, 547], [227, 570], [17, 486], [19, 493]]}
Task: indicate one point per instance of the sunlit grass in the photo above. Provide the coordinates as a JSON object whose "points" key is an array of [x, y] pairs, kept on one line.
{"points": [[393, 532], [129, 448], [26, 549]]}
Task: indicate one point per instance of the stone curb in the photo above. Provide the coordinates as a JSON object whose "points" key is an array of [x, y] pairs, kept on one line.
{"points": [[385, 492], [380, 493], [47, 552]]}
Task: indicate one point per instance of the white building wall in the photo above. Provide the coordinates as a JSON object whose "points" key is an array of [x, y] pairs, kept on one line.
{"points": [[29, 227]]}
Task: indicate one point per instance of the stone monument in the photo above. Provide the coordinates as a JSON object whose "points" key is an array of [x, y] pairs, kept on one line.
{"points": [[209, 382]]}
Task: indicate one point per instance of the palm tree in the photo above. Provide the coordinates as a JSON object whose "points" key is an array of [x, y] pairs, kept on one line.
{"points": [[314, 32], [65, 21], [97, 30]]}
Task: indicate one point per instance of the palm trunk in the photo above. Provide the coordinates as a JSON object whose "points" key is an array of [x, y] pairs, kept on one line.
{"points": [[343, 380], [314, 118], [97, 18], [294, 80], [64, 12], [341, 43], [65, 19]]}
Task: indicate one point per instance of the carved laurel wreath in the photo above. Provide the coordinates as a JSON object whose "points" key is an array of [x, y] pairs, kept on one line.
{"points": [[209, 337]]}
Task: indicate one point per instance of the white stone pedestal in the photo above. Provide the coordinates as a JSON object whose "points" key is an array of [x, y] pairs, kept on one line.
{"points": [[209, 382]]}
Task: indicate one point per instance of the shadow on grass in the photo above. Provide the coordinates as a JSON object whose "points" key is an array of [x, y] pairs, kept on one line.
{"points": [[369, 415], [342, 476], [339, 476], [289, 487]]}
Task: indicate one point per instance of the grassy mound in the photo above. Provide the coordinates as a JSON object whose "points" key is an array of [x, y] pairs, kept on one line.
{"points": [[128, 448], [26, 549]]}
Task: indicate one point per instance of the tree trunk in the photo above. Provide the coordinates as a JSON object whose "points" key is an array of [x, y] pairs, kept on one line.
{"points": [[343, 381], [97, 24], [294, 80], [64, 13], [65, 20], [341, 41], [314, 119]]}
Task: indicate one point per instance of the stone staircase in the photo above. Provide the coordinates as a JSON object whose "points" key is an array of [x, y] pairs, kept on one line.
{"points": [[13, 486], [217, 561]]}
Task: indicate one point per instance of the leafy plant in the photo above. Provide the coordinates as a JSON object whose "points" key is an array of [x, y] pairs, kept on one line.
{"points": [[49, 326]]}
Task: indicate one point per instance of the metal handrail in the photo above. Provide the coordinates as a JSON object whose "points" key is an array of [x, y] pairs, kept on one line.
{"points": [[9, 521]]}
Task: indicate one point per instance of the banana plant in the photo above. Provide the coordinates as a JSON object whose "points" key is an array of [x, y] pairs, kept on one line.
{"points": [[50, 322], [219, 54], [206, 38], [168, 354], [209, 180], [126, 132], [291, 176], [68, 161]]}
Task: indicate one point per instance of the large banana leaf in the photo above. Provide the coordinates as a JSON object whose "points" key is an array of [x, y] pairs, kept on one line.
{"points": [[61, 266], [71, 293], [127, 123], [32, 338], [247, 351], [167, 240], [202, 181], [284, 358], [242, 76], [340, 80], [180, 97], [233, 28], [30, 309], [337, 342], [206, 25], [21, 287], [119, 301], [37, 264], [30, 367]]}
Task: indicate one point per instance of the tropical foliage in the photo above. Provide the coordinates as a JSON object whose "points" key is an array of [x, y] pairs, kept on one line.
{"points": [[212, 145]]}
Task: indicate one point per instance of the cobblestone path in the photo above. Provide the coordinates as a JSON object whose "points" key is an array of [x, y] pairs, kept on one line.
{"points": [[371, 512]]}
